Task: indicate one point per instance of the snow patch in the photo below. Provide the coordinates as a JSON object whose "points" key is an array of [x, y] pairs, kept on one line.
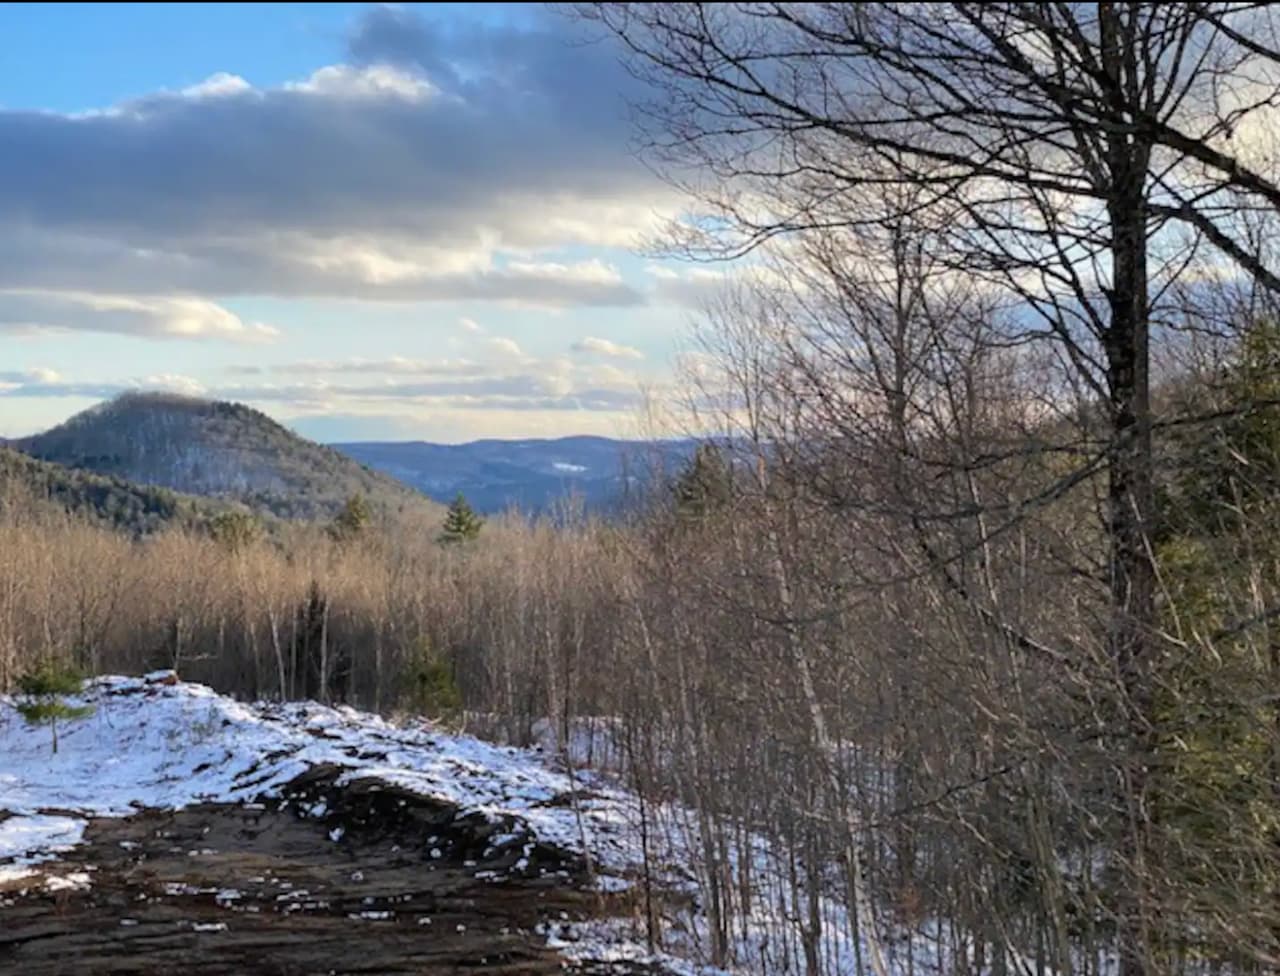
{"points": [[75, 881], [613, 941], [612, 885], [36, 837], [14, 872]]}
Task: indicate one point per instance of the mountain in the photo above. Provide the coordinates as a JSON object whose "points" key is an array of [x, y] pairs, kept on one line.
{"points": [[139, 509], [216, 449], [533, 475]]}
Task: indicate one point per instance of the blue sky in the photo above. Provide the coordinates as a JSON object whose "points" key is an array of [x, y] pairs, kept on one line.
{"points": [[392, 222]]}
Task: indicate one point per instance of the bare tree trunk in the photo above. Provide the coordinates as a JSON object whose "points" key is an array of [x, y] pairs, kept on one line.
{"points": [[1130, 493], [323, 691], [822, 738], [283, 691]]}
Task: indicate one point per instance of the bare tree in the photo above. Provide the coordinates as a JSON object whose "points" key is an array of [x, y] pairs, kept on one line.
{"points": [[1072, 157]]}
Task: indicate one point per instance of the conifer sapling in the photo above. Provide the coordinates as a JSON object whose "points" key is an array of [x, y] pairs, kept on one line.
{"points": [[461, 524], [42, 692]]}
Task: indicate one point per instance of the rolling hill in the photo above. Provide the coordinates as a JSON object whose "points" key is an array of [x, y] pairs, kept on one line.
{"points": [[219, 450]]}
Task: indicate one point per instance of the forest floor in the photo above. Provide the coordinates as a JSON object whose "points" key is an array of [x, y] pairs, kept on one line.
{"points": [[218, 888]]}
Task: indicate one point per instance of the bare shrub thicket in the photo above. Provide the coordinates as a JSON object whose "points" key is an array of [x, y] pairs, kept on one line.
{"points": [[306, 614]]}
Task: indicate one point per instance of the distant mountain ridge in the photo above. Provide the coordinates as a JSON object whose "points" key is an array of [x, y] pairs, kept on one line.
{"points": [[217, 449], [532, 475], [229, 452]]}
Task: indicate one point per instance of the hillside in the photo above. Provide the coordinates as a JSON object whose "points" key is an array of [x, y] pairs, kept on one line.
{"points": [[533, 475], [139, 509], [215, 449]]}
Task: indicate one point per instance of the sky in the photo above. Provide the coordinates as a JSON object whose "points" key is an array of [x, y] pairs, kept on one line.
{"points": [[372, 222]]}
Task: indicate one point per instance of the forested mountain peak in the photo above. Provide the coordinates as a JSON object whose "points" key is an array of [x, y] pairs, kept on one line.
{"points": [[215, 448]]}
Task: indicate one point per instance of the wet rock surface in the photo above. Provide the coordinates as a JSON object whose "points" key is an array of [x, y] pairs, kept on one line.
{"points": [[357, 879]]}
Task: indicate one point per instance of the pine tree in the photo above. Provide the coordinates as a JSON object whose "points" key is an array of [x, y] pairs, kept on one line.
{"points": [[43, 690], [352, 520], [704, 486], [235, 530], [433, 687], [461, 524]]}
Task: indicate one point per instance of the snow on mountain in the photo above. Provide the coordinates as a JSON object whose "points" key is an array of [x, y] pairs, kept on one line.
{"points": [[532, 475]]}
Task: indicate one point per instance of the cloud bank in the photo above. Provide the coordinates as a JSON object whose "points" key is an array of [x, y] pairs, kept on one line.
{"points": [[433, 164]]}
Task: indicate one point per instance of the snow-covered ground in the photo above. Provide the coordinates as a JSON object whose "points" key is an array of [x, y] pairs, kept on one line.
{"points": [[30, 840], [155, 743]]}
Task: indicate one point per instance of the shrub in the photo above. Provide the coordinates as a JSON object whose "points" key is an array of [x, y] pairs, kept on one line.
{"points": [[433, 688]]}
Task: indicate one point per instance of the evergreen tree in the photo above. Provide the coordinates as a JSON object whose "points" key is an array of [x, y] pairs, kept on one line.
{"points": [[235, 530], [433, 688], [1229, 471], [705, 485], [352, 520], [1216, 780], [461, 524], [42, 692]]}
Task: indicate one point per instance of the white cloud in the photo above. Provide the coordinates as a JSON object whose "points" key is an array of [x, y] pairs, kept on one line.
{"points": [[470, 325], [290, 265], [16, 380], [606, 374], [536, 385], [50, 385], [19, 377], [32, 311], [517, 391], [692, 288], [698, 287], [504, 346], [368, 260], [217, 85], [374, 81], [558, 381], [594, 271], [604, 347], [172, 383], [393, 365], [531, 397]]}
